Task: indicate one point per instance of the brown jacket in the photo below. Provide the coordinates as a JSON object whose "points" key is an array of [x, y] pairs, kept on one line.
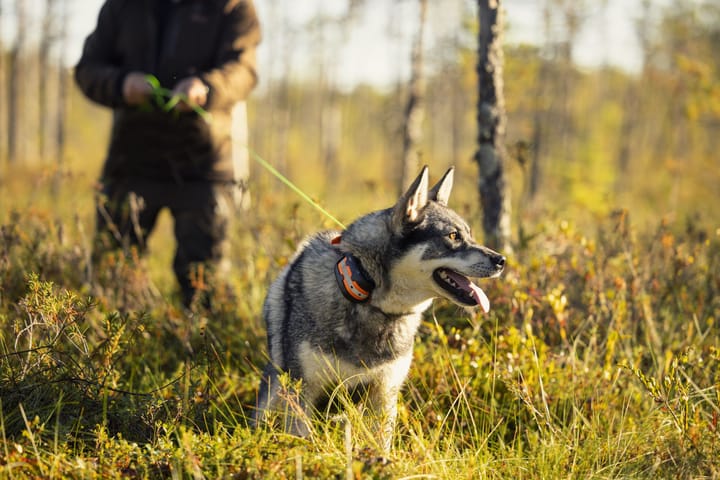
{"points": [[212, 39]]}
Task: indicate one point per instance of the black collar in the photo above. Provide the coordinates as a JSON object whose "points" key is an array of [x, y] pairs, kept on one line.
{"points": [[352, 279], [354, 282]]}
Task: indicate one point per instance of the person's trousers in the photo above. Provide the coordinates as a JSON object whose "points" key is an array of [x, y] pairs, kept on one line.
{"points": [[127, 211]]}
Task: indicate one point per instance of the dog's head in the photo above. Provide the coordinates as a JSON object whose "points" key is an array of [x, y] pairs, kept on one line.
{"points": [[438, 254]]}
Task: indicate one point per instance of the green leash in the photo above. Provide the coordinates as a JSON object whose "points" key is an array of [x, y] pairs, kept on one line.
{"points": [[167, 100]]}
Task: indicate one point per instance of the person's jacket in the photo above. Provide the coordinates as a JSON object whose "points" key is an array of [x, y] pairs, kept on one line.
{"points": [[212, 39]]}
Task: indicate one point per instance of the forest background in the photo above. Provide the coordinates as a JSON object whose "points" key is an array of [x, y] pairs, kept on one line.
{"points": [[600, 356], [585, 136]]}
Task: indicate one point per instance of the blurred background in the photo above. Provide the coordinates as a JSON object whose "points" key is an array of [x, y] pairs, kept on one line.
{"points": [[611, 104]]}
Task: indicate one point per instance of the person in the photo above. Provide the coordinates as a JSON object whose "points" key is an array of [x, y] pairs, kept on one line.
{"points": [[179, 158]]}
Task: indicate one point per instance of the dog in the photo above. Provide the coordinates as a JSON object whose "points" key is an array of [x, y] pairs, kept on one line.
{"points": [[345, 310]]}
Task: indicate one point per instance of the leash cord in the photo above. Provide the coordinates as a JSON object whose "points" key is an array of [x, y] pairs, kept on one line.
{"points": [[160, 94]]}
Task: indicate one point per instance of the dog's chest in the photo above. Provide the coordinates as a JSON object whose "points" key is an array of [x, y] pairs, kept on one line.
{"points": [[370, 341], [322, 369]]}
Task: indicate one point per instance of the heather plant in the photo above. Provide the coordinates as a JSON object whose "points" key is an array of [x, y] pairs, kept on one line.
{"points": [[599, 358]]}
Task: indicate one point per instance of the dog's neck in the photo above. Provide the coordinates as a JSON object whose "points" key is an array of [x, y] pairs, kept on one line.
{"points": [[357, 286]]}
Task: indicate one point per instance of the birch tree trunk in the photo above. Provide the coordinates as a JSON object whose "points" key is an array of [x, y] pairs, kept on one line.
{"points": [[47, 38], [415, 109], [331, 135], [3, 116], [540, 114], [15, 76], [634, 99], [490, 156], [63, 77]]}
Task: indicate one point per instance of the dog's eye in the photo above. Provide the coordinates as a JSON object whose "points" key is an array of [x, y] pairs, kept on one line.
{"points": [[454, 235]]}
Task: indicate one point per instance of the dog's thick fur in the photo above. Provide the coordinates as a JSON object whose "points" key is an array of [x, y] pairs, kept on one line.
{"points": [[413, 252]]}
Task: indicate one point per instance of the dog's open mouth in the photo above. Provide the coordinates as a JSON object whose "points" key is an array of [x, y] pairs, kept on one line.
{"points": [[461, 289]]}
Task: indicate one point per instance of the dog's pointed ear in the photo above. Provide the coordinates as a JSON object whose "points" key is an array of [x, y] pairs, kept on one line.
{"points": [[410, 206], [441, 191]]}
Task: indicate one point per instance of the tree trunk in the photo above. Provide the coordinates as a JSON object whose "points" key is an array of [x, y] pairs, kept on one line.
{"points": [[490, 156], [633, 103], [14, 84], [540, 114], [2, 86], [63, 78], [280, 108], [415, 109], [331, 135], [572, 19], [241, 154], [46, 40]]}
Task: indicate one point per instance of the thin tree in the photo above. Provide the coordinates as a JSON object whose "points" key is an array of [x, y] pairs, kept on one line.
{"points": [[47, 37], [279, 110], [458, 98], [415, 108], [540, 111], [62, 94], [63, 77], [2, 83], [634, 95], [16, 74], [572, 18], [490, 156], [331, 132], [331, 115], [328, 110]]}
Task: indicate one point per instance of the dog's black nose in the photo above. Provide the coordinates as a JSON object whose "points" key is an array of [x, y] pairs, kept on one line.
{"points": [[500, 262]]}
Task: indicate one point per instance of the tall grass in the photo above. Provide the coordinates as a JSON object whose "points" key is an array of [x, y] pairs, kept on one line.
{"points": [[599, 359]]}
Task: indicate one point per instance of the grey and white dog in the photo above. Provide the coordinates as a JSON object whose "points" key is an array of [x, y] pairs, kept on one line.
{"points": [[346, 309]]}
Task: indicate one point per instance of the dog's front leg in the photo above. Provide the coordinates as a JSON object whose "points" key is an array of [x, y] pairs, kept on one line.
{"points": [[292, 402], [382, 402], [383, 396], [299, 402], [267, 395], [297, 415]]}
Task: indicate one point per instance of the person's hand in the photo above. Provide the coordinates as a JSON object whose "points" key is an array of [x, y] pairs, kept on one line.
{"points": [[194, 90], [136, 89]]}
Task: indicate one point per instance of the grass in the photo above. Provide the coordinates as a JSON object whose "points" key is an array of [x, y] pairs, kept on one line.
{"points": [[599, 359]]}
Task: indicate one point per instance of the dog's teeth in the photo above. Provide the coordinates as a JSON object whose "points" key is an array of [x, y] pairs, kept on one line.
{"points": [[446, 278]]}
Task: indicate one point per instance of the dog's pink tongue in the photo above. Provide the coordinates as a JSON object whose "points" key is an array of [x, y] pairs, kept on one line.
{"points": [[480, 297]]}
